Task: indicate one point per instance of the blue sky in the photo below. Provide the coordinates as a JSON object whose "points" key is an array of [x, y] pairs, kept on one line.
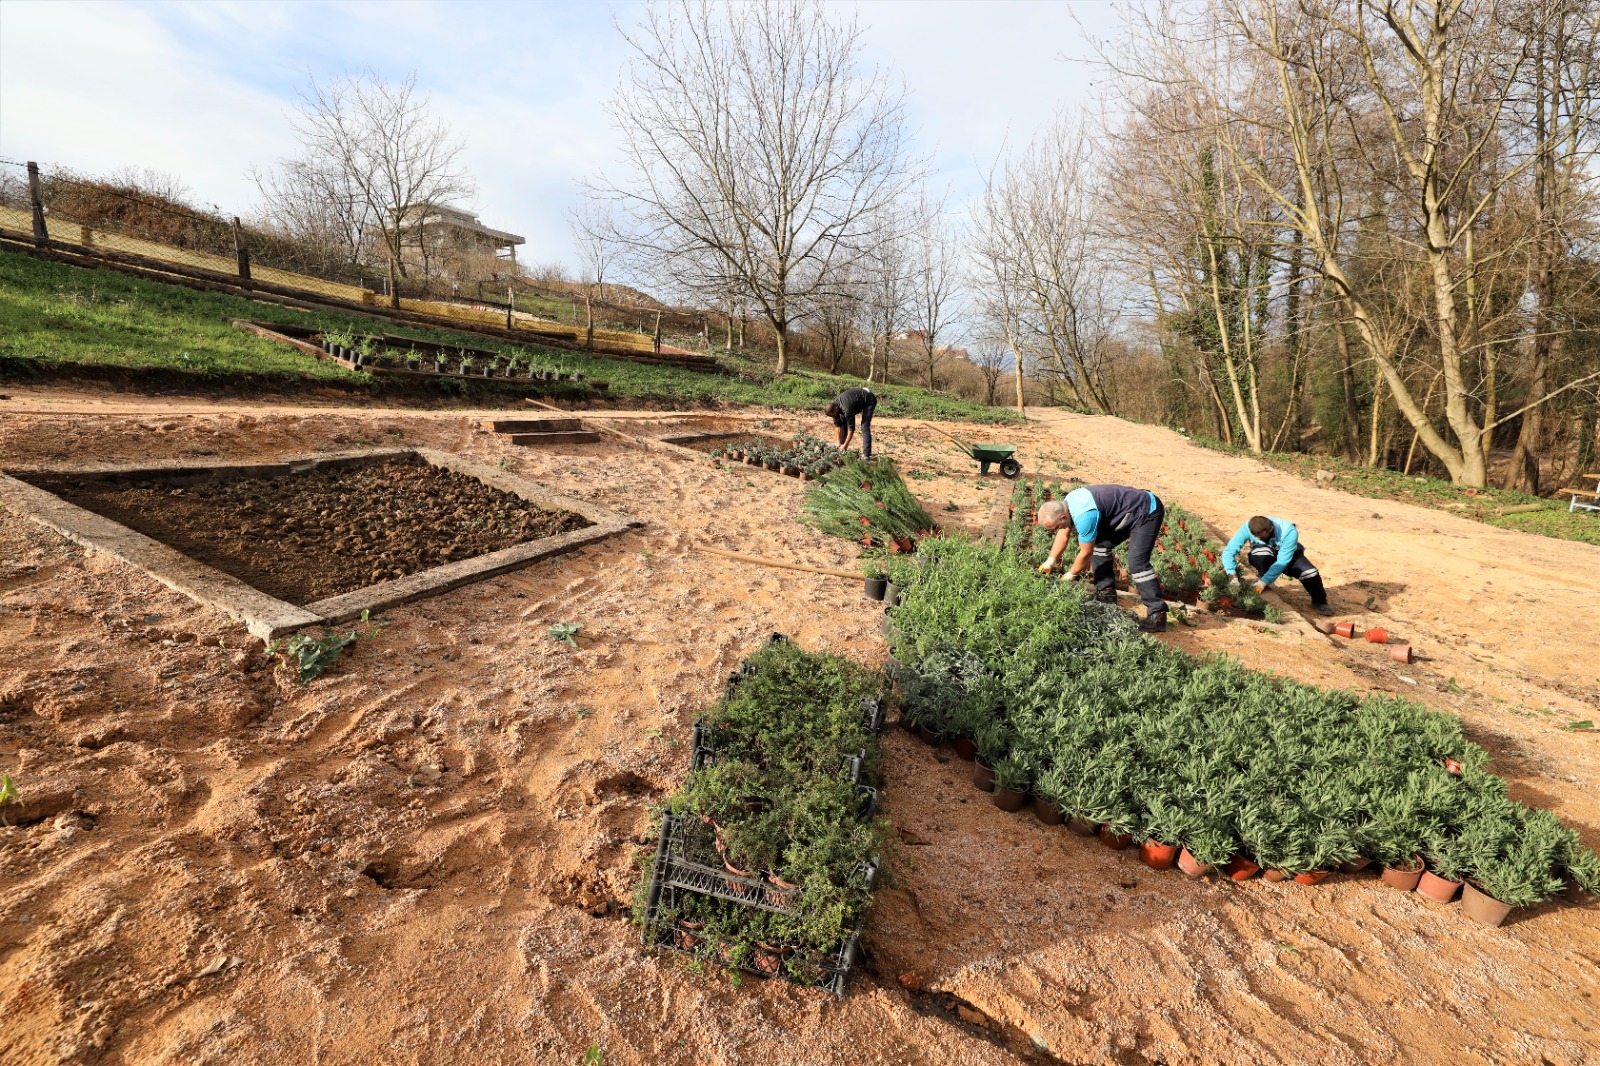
{"points": [[203, 90]]}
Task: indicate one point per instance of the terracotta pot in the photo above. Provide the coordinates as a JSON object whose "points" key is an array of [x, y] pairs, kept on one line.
{"points": [[1156, 855], [1354, 866], [982, 776], [1400, 653], [1240, 868], [966, 749], [1114, 841], [1082, 826], [684, 936], [1403, 879], [1482, 907], [1008, 799], [1276, 876], [908, 723], [930, 736], [1311, 877], [1191, 865], [1377, 636], [1047, 813], [1437, 889], [1345, 629]]}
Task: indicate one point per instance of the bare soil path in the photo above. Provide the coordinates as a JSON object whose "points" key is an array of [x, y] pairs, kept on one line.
{"points": [[424, 855]]}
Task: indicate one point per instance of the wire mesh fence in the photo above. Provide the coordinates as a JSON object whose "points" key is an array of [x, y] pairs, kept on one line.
{"points": [[120, 222]]}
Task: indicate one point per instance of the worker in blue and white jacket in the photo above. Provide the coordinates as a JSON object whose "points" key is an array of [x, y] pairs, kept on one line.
{"points": [[1275, 549], [1103, 517]]}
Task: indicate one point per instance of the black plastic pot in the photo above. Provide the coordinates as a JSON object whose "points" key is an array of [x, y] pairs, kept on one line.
{"points": [[891, 595], [877, 587]]}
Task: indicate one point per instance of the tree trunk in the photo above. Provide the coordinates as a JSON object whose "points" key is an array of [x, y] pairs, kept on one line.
{"points": [[1352, 412], [782, 331]]}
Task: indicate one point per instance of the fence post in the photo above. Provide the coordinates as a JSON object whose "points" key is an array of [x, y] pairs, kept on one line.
{"points": [[40, 233], [588, 307], [240, 252], [658, 333], [511, 302]]}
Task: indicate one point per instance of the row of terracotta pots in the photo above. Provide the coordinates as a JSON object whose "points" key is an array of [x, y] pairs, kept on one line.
{"points": [[1477, 905]]}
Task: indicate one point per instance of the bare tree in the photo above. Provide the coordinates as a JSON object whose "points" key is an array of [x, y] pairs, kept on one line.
{"points": [[1038, 242], [373, 157], [837, 312], [758, 153], [934, 282], [318, 208], [991, 355], [886, 292], [1410, 99]]}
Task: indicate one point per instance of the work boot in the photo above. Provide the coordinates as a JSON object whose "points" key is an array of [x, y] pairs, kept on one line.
{"points": [[1323, 609], [1106, 595], [1154, 623]]}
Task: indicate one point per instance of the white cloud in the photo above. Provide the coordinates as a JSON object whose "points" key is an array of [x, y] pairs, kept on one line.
{"points": [[203, 90]]}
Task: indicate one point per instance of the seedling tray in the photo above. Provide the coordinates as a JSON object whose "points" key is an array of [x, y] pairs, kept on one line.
{"points": [[828, 973]]}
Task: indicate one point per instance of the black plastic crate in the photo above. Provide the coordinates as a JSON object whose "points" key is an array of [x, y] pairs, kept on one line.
{"points": [[828, 972], [687, 859]]}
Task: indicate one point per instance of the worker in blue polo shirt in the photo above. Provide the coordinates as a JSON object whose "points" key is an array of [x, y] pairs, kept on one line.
{"points": [[1103, 517], [1275, 549]]}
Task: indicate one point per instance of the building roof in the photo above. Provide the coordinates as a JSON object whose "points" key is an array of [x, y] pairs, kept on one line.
{"points": [[456, 218]]}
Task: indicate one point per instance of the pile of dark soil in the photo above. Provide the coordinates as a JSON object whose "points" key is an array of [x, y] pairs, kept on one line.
{"points": [[309, 536]]}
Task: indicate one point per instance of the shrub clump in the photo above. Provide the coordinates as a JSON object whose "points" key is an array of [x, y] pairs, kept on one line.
{"points": [[1202, 752]]}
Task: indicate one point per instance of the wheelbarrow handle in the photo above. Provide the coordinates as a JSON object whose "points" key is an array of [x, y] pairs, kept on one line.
{"points": [[958, 442]]}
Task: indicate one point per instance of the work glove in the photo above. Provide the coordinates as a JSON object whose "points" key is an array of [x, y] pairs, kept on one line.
{"points": [[1046, 567], [1260, 587]]}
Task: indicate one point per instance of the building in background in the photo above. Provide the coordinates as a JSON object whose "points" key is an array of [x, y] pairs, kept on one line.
{"points": [[447, 242]]}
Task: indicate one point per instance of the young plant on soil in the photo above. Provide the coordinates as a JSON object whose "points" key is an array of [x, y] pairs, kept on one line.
{"points": [[8, 795], [566, 632], [311, 656]]}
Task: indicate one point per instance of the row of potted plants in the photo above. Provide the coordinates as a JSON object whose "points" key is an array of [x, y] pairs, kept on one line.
{"points": [[1186, 558], [805, 457], [1060, 700], [369, 353], [868, 502], [769, 852]]}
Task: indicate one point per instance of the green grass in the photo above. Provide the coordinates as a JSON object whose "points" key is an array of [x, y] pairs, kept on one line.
{"points": [[1554, 520], [53, 314]]}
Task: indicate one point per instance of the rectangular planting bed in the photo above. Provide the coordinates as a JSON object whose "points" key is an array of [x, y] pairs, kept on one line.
{"points": [[803, 456], [768, 855], [280, 546]]}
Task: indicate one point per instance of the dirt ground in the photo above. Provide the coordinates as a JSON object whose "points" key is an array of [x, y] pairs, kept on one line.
{"points": [[320, 533], [425, 855]]}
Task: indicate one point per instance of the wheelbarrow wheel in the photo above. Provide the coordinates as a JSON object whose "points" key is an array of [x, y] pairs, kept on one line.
{"points": [[1009, 469]]}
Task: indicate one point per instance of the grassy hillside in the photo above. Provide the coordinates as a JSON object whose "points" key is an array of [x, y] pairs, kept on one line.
{"points": [[53, 314]]}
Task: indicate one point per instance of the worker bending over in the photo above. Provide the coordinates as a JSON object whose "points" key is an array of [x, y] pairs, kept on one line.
{"points": [[844, 409], [1105, 516], [1274, 550]]}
